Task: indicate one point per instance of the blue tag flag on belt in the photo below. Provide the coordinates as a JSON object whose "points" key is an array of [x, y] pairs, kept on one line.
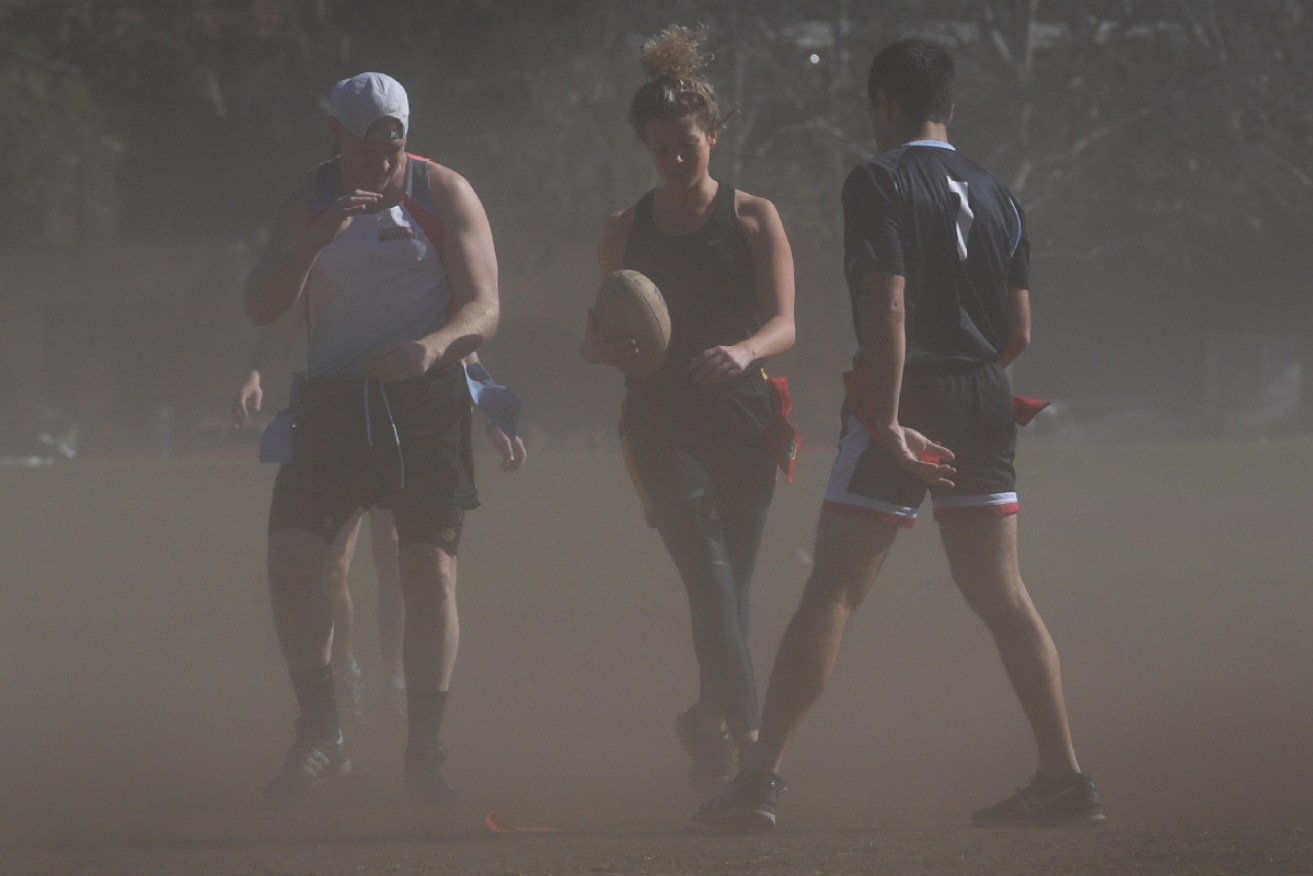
{"points": [[498, 403], [276, 440]]}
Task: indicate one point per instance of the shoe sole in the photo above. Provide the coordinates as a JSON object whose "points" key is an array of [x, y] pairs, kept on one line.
{"points": [[749, 821], [340, 770], [1097, 819]]}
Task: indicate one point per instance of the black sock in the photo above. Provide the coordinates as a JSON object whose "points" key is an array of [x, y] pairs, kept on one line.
{"points": [[424, 710], [314, 694]]}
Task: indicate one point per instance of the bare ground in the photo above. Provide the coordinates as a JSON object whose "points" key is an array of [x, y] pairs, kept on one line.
{"points": [[142, 702]]}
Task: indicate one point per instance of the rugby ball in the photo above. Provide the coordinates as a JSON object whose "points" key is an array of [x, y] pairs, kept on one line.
{"points": [[629, 305]]}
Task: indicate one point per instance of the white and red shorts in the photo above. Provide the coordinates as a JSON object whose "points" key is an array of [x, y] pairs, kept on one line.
{"points": [[966, 408]]}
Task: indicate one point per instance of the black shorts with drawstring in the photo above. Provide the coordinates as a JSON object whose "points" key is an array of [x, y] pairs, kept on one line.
{"points": [[364, 444]]}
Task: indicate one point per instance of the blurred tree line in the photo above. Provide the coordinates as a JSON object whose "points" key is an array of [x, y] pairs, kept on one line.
{"points": [[1161, 148]]}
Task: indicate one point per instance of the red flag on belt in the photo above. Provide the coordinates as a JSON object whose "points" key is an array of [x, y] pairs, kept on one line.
{"points": [[1026, 409], [784, 439]]}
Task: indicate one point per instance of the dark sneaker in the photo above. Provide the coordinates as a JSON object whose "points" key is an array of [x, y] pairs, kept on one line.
{"points": [[712, 752], [425, 781], [1072, 801], [747, 803], [309, 762]]}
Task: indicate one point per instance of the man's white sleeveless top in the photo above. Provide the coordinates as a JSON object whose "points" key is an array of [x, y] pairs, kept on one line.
{"points": [[381, 281]]}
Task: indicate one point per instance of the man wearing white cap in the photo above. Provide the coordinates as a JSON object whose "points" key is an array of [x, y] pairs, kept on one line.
{"points": [[392, 258]]}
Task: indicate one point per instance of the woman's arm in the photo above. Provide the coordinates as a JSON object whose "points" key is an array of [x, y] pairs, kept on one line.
{"points": [[597, 348], [772, 261]]}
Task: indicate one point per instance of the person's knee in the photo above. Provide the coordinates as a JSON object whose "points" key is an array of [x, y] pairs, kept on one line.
{"points": [[295, 560], [693, 536], [686, 523], [1001, 604], [832, 590], [427, 573], [439, 592], [840, 577]]}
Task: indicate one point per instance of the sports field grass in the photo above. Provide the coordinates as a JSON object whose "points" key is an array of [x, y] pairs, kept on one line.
{"points": [[142, 702]]}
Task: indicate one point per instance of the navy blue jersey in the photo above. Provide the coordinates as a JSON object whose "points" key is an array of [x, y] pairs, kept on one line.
{"points": [[954, 232]]}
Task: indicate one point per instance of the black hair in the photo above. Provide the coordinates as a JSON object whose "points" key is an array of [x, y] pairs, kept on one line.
{"points": [[919, 75]]}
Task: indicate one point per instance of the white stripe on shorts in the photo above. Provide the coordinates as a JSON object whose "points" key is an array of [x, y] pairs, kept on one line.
{"points": [[852, 445], [983, 500]]}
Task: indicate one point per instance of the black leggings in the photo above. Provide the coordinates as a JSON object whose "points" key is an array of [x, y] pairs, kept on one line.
{"points": [[714, 546]]}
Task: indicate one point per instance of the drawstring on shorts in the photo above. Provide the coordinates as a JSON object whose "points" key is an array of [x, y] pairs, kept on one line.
{"points": [[392, 424]]}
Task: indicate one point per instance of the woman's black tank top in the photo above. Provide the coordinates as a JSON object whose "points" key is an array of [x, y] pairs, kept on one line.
{"points": [[707, 279]]}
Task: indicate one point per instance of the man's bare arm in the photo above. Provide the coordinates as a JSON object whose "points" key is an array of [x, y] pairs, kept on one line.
{"points": [[1018, 326], [884, 343], [276, 281], [884, 349], [271, 353], [470, 262]]}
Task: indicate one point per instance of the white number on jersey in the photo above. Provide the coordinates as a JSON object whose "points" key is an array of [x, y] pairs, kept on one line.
{"points": [[964, 217]]}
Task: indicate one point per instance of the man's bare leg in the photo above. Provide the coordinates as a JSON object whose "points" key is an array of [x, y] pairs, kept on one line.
{"points": [[982, 552], [337, 571], [432, 625], [850, 549], [302, 605], [391, 607], [303, 620], [432, 638], [983, 555], [346, 672]]}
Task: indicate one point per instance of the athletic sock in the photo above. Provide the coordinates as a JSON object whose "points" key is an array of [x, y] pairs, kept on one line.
{"points": [[424, 710], [318, 702]]}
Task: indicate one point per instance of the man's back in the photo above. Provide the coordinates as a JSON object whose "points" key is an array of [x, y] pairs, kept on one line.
{"points": [[933, 216]]}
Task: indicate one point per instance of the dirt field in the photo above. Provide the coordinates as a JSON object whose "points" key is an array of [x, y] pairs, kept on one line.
{"points": [[142, 702]]}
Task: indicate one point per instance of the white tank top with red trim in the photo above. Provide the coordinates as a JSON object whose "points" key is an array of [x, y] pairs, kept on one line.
{"points": [[381, 281]]}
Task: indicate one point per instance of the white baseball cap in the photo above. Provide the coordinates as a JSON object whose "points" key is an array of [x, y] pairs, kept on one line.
{"points": [[363, 99]]}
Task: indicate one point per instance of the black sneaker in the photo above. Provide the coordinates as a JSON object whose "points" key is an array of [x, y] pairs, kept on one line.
{"points": [[310, 762], [747, 803], [712, 753], [425, 781], [1072, 801]]}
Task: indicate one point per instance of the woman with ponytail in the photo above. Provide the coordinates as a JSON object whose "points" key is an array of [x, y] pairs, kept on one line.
{"points": [[702, 435]]}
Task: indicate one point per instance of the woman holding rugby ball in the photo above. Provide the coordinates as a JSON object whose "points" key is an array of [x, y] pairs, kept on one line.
{"points": [[702, 434]]}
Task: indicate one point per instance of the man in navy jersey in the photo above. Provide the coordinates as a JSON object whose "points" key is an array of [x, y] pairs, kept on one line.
{"points": [[936, 257]]}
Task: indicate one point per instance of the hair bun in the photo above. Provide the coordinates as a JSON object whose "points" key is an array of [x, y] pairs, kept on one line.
{"points": [[675, 53]]}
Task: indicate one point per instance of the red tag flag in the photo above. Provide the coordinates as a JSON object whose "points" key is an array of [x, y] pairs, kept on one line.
{"points": [[1026, 409]]}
